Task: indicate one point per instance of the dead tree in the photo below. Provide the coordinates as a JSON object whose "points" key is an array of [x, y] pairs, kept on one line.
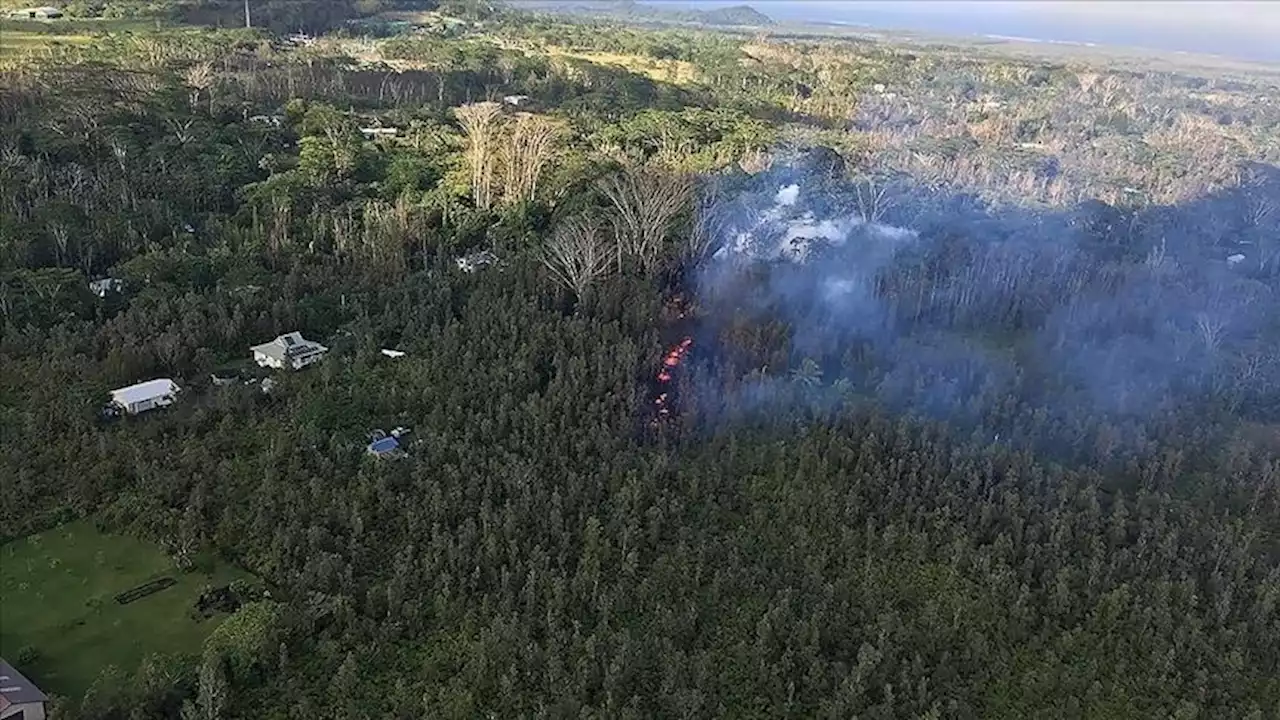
{"points": [[200, 78], [530, 147], [709, 224], [645, 203], [482, 123], [577, 254]]}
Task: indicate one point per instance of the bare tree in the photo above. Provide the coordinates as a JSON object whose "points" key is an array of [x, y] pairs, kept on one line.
{"points": [[645, 202], [709, 223], [530, 147], [577, 254], [61, 241], [872, 199], [200, 78], [482, 123], [1210, 327]]}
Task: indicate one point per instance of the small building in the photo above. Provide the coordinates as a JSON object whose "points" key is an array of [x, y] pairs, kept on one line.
{"points": [[290, 350], [374, 133], [393, 353], [475, 261], [106, 286], [516, 100], [36, 13], [384, 446], [145, 396], [20, 699]]}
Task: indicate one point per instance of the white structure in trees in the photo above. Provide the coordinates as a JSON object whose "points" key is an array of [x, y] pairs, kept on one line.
{"points": [[145, 396], [291, 351], [106, 286]]}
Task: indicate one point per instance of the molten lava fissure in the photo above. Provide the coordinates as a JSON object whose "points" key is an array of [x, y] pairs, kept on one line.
{"points": [[664, 392], [670, 362]]}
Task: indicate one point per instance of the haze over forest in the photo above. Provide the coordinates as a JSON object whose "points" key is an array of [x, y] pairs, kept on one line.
{"points": [[1236, 29]]}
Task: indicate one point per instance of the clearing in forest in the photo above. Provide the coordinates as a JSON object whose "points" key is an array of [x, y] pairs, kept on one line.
{"points": [[58, 597]]}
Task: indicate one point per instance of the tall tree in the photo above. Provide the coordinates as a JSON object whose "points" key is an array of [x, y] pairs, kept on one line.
{"points": [[530, 146], [482, 123], [646, 201], [577, 254]]}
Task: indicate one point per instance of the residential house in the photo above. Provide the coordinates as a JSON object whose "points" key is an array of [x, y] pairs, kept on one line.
{"points": [[291, 351], [106, 286], [373, 133], [273, 120], [20, 699], [384, 446], [393, 353], [145, 396], [516, 100], [36, 13], [475, 261]]}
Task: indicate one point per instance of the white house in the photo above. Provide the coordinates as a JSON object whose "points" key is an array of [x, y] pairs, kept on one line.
{"points": [[36, 13], [372, 133], [290, 351], [106, 286], [145, 396], [476, 260], [20, 699]]}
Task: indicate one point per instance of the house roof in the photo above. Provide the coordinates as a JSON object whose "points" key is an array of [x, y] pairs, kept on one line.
{"points": [[148, 390], [16, 689], [288, 344], [384, 445]]}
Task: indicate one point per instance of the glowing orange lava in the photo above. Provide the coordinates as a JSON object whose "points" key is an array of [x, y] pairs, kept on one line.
{"points": [[670, 362]]}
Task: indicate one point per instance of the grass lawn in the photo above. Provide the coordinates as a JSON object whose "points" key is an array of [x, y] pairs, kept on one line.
{"points": [[57, 595], [16, 42], [24, 37]]}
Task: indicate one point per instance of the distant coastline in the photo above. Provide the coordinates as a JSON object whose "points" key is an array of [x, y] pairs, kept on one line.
{"points": [[969, 20]]}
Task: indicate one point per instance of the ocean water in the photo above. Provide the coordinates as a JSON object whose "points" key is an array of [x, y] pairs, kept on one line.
{"points": [[1238, 29]]}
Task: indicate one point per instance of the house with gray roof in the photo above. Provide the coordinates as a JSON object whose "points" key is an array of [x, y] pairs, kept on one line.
{"points": [[289, 351], [36, 13], [20, 699]]}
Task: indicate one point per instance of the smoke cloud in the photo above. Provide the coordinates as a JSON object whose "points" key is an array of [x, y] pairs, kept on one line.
{"points": [[935, 304]]}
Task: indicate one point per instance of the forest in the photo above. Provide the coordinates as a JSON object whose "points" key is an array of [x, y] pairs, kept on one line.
{"points": [[743, 375]]}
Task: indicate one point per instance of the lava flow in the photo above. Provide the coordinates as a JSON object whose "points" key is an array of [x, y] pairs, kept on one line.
{"points": [[670, 362], [664, 390]]}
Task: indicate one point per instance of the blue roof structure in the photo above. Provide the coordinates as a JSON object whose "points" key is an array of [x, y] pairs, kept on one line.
{"points": [[384, 445]]}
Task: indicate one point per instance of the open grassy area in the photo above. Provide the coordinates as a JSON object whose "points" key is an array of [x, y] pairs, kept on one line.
{"points": [[24, 37], [16, 41], [57, 595]]}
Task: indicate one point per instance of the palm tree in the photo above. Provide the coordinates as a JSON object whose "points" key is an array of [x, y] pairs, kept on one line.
{"points": [[808, 374]]}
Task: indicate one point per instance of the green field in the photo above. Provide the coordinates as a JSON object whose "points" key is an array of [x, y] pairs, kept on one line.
{"points": [[24, 37], [57, 595]]}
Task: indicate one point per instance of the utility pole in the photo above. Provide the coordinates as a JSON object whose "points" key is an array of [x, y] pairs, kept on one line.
{"points": [[247, 22]]}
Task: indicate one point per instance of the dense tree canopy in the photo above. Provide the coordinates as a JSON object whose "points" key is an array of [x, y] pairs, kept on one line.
{"points": [[787, 544]]}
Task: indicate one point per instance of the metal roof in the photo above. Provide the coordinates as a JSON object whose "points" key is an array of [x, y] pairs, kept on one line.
{"points": [[143, 391], [17, 689], [287, 345]]}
